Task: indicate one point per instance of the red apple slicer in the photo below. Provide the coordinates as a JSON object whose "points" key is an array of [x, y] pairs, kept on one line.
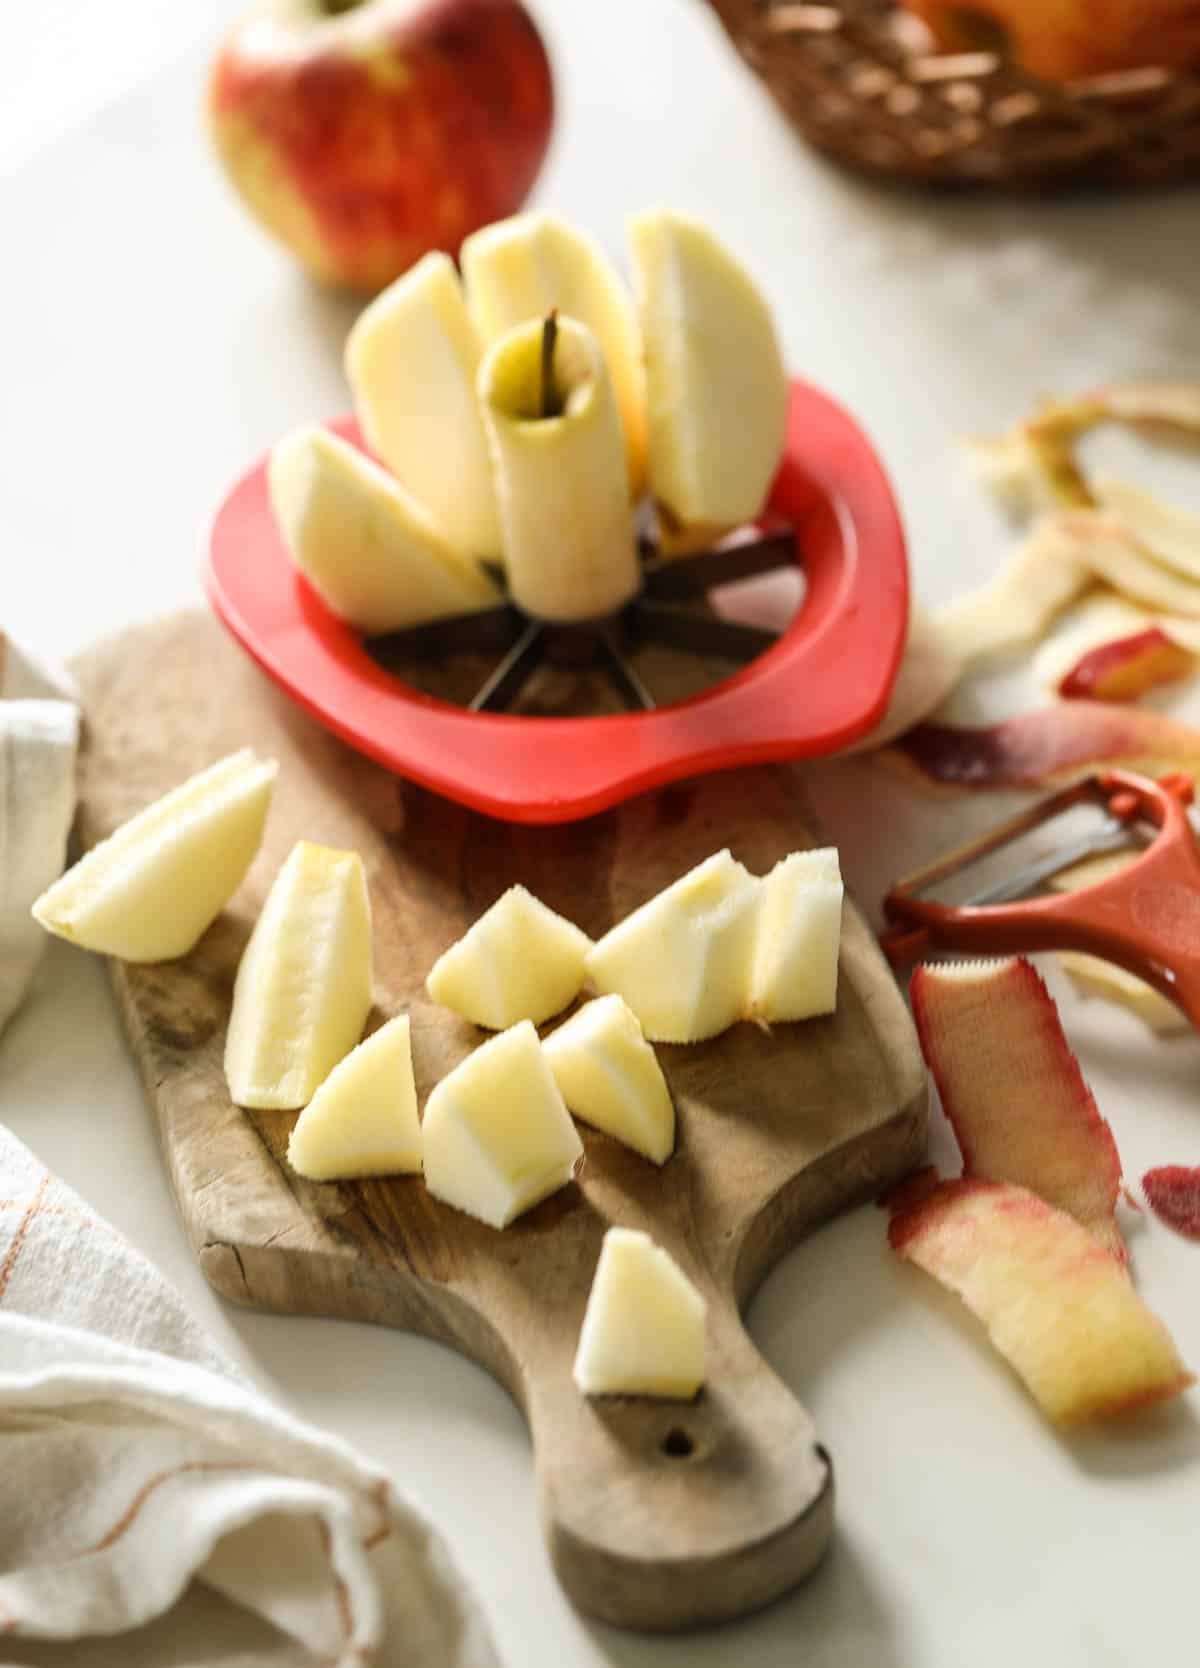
{"points": [[810, 689], [1145, 917]]}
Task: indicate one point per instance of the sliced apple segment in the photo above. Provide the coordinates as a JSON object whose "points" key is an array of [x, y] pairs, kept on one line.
{"points": [[303, 987], [567, 527], [610, 1077], [411, 360], [1013, 1091], [682, 961], [643, 1331], [1058, 1306], [523, 268], [368, 548], [497, 1138], [716, 389], [155, 886], [519, 961], [799, 936], [362, 1121]]}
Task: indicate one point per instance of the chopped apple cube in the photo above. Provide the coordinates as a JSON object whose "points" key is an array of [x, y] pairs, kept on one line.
{"points": [[610, 1077], [1058, 1306], [799, 938], [362, 1121], [303, 987], [519, 961], [643, 1332], [522, 268], [154, 887], [497, 1138], [1013, 1091], [682, 961], [362, 542], [716, 389], [411, 360]]}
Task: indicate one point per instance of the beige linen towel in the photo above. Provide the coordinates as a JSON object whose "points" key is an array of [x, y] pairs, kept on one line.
{"points": [[135, 1463]]}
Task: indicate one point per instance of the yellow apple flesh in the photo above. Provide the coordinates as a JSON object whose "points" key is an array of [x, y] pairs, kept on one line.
{"points": [[519, 961], [362, 1121], [643, 1331]]}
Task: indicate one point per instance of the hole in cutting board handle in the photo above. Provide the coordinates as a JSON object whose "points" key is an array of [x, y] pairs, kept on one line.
{"points": [[677, 1443]]}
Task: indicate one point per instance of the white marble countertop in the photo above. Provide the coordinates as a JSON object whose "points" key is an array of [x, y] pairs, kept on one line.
{"points": [[151, 342]]}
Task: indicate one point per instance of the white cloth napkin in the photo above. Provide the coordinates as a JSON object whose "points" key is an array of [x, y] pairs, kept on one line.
{"points": [[39, 727], [135, 1463]]}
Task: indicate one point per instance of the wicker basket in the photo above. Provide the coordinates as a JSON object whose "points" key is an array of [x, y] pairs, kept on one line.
{"points": [[853, 77]]}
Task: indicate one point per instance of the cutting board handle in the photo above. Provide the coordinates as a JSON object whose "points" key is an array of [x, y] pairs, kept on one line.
{"points": [[669, 1514]]}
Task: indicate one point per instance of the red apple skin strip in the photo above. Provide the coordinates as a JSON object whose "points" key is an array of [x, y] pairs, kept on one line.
{"points": [[1126, 668], [1013, 1091], [1058, 1307], [1050, 745], [1173, 1193]]}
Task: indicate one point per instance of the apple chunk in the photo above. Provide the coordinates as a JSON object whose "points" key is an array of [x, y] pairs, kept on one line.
{"points": [[643, 1332], [303, 987], [798, 938], [610, 1077], [1058, 1306], [411, 360], [682, 961], [1013, 1091], [497, 1138], [527, 266], [154, 887], [519, 961], [716, 390], [362, 1121], [368, 548]]}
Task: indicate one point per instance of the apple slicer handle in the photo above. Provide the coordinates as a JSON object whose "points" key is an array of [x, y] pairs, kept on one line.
{"points": [[668, 1514]]}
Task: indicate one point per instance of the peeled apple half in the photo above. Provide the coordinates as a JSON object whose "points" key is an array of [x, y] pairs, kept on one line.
{"points": [[303, 988], [150, 891]]}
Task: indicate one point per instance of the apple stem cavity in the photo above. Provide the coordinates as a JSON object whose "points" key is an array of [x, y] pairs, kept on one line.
{"points": [[549, 404]]}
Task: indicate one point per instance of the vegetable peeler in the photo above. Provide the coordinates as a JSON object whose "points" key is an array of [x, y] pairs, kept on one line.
{"points": [[1145, 917]]}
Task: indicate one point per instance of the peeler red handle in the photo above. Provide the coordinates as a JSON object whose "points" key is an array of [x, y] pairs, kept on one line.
{"points": [[1145, 917]]}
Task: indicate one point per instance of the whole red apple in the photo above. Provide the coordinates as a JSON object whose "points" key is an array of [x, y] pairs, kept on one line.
{"points": [[364, 133]]}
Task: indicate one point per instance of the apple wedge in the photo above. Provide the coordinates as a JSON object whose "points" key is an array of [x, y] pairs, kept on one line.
{"points": [[497, 1138], [154, 887], [566, 523], [643, 1330], [362, 1121], [524, 268], [362, 542], [1013, 1091], [716, 389], [1058, 1306], [682, 961], [303, 986], [610, 1077], [411, 361], [798, 938], [519, 961]]}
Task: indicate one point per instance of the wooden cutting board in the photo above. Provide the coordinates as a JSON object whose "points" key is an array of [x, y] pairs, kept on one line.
{"points": [[657, 1514]]}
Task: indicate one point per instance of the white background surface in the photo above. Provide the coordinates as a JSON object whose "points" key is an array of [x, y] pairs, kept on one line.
{"points": [[151, 342]]}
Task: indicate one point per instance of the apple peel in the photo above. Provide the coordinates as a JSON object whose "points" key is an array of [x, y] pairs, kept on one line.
{"points": [[1012, 1089], [1058, 1306], [1051, 745], [1173, 1194]]}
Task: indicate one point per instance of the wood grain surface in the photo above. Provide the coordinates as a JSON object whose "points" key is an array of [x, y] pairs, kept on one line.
{"points": [[657, 1514]]}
